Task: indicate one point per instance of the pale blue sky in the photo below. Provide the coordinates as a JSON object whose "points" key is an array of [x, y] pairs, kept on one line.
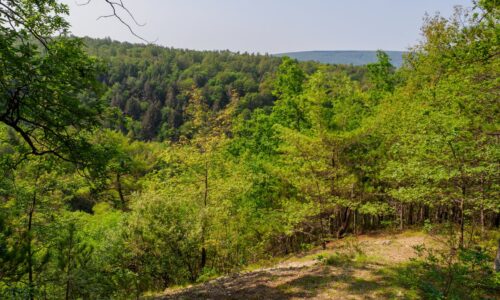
{"points": [[267, 26]]}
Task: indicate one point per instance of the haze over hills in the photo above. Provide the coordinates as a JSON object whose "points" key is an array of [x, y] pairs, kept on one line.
{"points": [[354, 57]]}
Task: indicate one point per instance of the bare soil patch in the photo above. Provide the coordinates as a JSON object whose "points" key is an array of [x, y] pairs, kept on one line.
{"points": [[306, 277]]}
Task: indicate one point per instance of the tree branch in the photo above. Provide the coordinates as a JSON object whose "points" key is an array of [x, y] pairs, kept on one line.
{"points": [[117, 8]]}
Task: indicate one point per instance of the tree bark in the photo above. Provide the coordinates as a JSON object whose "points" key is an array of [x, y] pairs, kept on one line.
{"points": [[203, 261], [462, 217], [203, 258], [30, 250], [410, 215], [68, 270], [482, 206], [120, 191], [355, 221], [344, 223], [401, 216], [497, 259]]}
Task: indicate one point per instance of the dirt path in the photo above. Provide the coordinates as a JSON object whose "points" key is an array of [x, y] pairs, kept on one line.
{"points": [[307, 277]]}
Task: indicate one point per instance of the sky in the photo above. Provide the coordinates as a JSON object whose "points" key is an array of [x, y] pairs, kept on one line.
{"points": [[265, 26]]}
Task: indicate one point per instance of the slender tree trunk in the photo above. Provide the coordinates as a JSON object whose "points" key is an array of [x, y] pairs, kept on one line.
{"points": [[31, 213], [203, 258], [322, 233], [421, 215], [344, 223], [401, 216], [30, 249], [482, 207], [497, 259], [410, 215], [331, 225], [205, 196], [482, 220], [461, 242], [120, 191], [462, 216], [68, 270], [205, 203], [355, 221]]}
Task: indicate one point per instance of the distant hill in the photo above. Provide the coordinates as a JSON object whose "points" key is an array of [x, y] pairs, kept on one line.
{"points": [[152, 85], [356, 58]]}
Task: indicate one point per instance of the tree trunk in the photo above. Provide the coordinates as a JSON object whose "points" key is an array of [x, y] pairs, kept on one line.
{"points": [[497, 259], [462, 216], [401, 216], [203, 261], [410, 215], [421, 215], [482, 206], [68, 270], [331, 222], [120, 191], [205, 196], [30, 250], [322, 232], [482, 220], [203, 258], [344, 223], [355, 221]]}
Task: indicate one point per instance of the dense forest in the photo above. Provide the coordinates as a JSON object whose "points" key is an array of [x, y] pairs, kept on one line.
{"points": [[126, 169], [152, 85]]}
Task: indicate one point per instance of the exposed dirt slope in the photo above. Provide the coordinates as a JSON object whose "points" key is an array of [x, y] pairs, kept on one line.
{"points": [[367, 276]]}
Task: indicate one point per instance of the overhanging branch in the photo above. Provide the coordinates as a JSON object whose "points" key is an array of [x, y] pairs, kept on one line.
{"points": [[120, 11]]}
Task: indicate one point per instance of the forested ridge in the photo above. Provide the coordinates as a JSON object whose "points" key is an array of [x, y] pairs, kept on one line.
{"points": [[127, 169], [152, 85]]}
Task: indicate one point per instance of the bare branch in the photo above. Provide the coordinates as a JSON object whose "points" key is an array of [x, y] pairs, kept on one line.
{"points": [[83, 3], [119, 11]]}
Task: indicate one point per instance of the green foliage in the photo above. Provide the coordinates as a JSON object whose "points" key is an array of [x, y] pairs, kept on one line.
{"points": [[261, 156], [154, 86], [338, 259], [381, 74], [49, 88], [453, 274], [289, 80]]}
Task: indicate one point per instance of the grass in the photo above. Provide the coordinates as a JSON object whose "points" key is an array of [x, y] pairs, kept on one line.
{"points": [[349, 244], [340, 276], [358, 260]]}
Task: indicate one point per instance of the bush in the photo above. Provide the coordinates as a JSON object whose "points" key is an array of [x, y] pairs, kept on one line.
{"points": [[454, 274], [207, 274], [338, 259]]}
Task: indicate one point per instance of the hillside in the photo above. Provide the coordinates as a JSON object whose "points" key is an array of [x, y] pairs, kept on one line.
{"points": [[377, 270], [378, 265], [356, 58], [152, 85], [133, 171]]}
